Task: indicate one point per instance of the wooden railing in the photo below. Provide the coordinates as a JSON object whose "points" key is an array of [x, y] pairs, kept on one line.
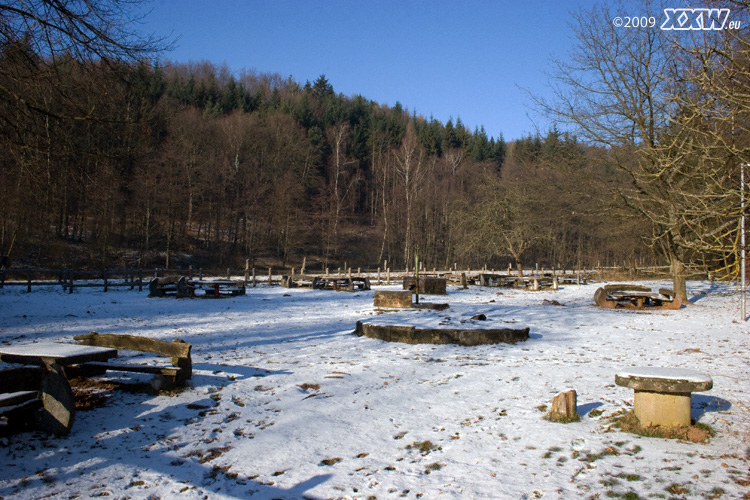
{"points": [[70, 279]]}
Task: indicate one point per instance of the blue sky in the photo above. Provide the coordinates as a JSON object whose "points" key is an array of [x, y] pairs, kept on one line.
{"points": [[444, 59]]}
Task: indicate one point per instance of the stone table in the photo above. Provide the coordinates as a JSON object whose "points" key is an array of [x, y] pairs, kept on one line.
{"points": [[662, 395]]}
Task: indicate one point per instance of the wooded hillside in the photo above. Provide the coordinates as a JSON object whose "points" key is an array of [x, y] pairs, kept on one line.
{"points": [[146, 164]]}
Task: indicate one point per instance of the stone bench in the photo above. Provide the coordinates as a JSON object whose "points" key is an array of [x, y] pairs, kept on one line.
{"points": [[178, 372], [662, 395]]}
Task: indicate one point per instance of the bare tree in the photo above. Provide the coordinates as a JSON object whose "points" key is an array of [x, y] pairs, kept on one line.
{"points": [[410, 163], [48, 32], [340, 183], [616, 92], [708, 139]]}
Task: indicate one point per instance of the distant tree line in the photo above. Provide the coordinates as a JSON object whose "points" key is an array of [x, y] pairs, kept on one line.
{"points": [[186, 163], [111, 159]]}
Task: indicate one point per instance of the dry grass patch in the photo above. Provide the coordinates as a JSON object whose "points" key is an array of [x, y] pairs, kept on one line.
{"points": [[561, 418], [308, 387], [424, 447], [697, 433]]}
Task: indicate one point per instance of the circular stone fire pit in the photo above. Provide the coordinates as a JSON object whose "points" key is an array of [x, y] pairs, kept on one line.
{"points": [[459, 336]]}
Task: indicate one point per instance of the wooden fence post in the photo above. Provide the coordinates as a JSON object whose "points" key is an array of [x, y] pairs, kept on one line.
{"points": [[28, 281], [106, 284], [254, 282], [247, 271], [270, 282]]}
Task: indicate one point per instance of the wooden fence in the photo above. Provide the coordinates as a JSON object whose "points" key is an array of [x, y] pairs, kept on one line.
{"points": [[70, 279]]}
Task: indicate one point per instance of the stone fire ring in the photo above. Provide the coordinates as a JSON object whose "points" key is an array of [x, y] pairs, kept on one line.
{"points": [[459, 336], [662, 395]]}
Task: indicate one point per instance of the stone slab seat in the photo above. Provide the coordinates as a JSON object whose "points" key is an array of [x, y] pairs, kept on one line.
{"points": [[177, 350], [662, 395]]}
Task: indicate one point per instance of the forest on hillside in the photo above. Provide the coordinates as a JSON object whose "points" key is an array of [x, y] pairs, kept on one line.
{"points": [[187, 163], [115, 158]]}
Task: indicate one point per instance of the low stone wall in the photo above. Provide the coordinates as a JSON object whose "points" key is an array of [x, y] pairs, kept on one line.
{"points": [[459, 336]]}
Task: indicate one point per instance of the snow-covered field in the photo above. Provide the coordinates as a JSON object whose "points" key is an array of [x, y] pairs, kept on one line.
{"points": [[285, 402]]}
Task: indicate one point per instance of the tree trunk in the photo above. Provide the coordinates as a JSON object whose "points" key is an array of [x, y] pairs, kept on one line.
{"points": [[679, 282]]}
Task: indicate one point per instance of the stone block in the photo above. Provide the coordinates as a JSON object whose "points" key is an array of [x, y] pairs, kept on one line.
{"points": [[427, 285], [392, 298]]}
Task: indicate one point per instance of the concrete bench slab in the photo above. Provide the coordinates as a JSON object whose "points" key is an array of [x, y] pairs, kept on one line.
{"points": [[662, 395]]}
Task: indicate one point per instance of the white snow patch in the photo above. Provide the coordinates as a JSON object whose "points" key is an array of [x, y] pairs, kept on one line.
{"points": [[285, 402]]}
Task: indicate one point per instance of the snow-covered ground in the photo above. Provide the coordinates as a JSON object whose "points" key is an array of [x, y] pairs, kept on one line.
{"points": [[285, 402]]}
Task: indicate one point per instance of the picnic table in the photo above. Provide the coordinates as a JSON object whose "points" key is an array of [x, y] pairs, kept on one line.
{"points": [[57, 405], [628, 296], [341, 283], [218, 288], [48, 353]]}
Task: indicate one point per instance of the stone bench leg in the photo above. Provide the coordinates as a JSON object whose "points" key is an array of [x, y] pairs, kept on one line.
{"points": [[58, 405], [660, 408]]}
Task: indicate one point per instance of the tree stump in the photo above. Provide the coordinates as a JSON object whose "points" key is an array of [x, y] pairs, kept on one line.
{"points": [[564, 407]]}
